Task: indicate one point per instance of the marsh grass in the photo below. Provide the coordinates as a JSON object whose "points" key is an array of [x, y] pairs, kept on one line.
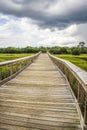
{"points": [[80, 61], [5, 57]]}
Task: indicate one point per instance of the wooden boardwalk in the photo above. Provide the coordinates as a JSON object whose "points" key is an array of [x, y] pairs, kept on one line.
{"points": [[39, 98]]}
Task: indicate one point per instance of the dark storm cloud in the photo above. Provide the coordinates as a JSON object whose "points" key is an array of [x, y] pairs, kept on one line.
{"points": [[48, 13]]}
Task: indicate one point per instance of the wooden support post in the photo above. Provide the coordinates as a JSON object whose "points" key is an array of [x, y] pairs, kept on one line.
{"points": [[78, 96], [85, 113], [11, 69], [20, 66], [16, 67]]}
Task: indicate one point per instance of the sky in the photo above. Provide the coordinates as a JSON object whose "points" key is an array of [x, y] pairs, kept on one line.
{"points": [[43, 23]]}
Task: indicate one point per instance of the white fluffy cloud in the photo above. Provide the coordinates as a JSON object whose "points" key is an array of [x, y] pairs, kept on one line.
{"points": [[22, 32]]}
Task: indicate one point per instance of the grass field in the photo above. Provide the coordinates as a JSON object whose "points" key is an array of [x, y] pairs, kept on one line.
{"points": [[80, 61], [5, 57]]}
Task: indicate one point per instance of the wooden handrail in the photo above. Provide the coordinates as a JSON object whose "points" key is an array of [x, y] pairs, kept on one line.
{"points": [[10, 69], [78, 82]]}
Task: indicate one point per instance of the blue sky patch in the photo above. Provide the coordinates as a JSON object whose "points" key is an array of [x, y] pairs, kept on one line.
{"points": [[3, 21]]}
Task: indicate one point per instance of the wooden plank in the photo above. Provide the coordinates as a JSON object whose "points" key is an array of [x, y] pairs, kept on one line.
{"points": [[38, 98]]}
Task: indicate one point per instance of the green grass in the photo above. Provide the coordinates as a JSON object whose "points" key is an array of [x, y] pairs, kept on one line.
{"points": [[5, 57], [5, 70], [80, 61]]}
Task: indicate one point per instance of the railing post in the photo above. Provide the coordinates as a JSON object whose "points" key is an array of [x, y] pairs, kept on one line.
{"points": [[20, 66], [78, 94], [85, 114], [11, 69], [16, 67]]}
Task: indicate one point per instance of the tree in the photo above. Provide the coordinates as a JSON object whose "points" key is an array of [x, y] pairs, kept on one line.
{"points": [[81, 45], [55, 50], [63, 50]]}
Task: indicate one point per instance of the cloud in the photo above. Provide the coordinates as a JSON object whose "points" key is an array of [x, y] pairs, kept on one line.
{"points": [[48, 13], [42, 23], [23, 32], [81, 33]]}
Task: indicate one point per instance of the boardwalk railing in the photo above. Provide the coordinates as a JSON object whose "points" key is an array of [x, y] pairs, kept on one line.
{"points": [[78, 81], [10, 69]]}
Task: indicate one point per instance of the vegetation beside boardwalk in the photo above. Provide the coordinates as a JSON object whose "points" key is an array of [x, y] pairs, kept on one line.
{"points": [[5, 57], [11, 53], [80, 61], [76, 55]]}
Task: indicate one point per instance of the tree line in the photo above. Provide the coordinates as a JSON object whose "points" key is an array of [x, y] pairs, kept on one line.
{"points": [[80, 49], [19, 50]]}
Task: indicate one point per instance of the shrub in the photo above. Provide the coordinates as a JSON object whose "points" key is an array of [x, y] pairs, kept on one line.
{"points": [[63, 50], [55, 51], [76, 51]]}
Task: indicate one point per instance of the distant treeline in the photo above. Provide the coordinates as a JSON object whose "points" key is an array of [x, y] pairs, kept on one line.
{"points": [[67, 50], [80, 49], [19, 50]]}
